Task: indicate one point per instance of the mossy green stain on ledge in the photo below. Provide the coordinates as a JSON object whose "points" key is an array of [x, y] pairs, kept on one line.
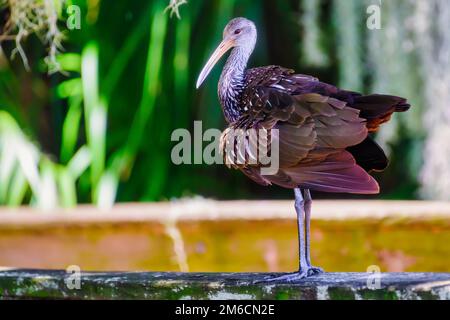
{"points": [[51, 284], [341, 293]]}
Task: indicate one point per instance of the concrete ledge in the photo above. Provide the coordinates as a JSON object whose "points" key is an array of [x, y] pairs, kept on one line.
{"points": [[204, 209], [49, 284]]}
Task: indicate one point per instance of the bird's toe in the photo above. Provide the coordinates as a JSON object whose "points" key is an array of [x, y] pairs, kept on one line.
{"points": [[290, 277], [314, 270]]}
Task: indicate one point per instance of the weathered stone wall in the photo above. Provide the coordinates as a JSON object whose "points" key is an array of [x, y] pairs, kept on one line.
{"points": [[36, 284]]}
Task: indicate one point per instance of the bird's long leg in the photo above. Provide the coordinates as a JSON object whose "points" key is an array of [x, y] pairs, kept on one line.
{"points": [[304, 269], [300, 209], [308, 205]]}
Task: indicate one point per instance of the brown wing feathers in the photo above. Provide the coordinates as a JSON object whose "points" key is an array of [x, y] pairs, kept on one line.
{"points": [[375, 108], [326, 166], [322, 131], [338, 172]]}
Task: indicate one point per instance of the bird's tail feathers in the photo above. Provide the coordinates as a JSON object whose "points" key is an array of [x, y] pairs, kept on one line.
{"points": [[378, 109]]}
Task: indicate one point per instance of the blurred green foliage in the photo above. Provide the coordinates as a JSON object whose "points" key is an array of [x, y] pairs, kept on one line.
{"points": [[103, 124]]}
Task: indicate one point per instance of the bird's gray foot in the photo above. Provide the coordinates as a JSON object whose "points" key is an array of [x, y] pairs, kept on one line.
{"points": [[290, 277], [295, 276]]}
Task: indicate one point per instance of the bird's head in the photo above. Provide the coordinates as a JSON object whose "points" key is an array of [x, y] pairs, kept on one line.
{"points": [[240, 33]]}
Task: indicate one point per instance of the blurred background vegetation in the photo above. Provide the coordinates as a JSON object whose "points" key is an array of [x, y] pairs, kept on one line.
{"points": [[86, 113]]}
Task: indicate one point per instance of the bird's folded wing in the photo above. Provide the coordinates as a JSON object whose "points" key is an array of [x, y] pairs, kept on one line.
{"points": [[312, 132], [297, 124]]}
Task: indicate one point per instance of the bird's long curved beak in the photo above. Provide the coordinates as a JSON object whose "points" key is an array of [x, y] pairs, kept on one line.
{"points": [[223, 47]]}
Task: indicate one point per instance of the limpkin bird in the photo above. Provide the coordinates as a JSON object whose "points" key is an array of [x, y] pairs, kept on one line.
{"points": [[322, 131]]}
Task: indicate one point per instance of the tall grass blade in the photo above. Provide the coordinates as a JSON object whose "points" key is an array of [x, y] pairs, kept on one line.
{"points": [[95, 113]]}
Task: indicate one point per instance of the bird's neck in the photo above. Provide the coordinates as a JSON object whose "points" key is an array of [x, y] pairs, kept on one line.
{"points": [[231, 83]]}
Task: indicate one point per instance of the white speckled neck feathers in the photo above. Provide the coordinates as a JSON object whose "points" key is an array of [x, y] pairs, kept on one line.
{"points": [[231, 83]]}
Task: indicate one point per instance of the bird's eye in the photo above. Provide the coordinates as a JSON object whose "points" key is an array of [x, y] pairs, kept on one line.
{"points": [[237, 31]]}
